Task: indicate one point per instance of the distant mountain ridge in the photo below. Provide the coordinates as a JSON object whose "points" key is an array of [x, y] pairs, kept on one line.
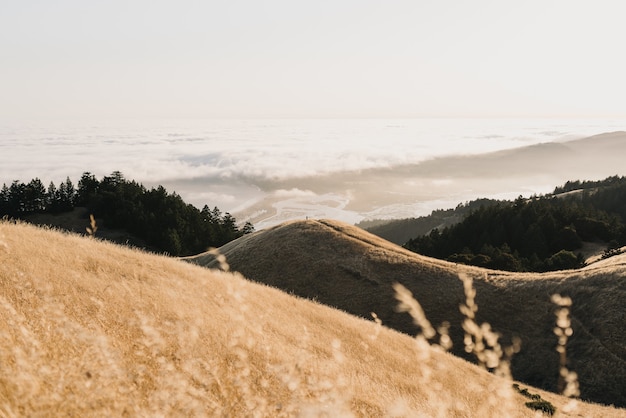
{"points": [[595, 157], [588, 157], [589, 214], [405, 189], [345, 267], [399, 231], [541, 233]]}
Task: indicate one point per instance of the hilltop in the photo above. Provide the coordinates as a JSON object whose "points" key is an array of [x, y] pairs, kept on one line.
{"points": [[345, 267], [90, 328]]}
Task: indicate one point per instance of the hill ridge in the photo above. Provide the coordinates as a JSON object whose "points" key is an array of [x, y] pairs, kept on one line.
{"points": [[327, 260], [90, 328]]}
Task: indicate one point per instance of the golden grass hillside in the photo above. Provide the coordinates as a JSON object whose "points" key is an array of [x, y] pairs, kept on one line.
{"points": [[348, 268], [89, 328]]}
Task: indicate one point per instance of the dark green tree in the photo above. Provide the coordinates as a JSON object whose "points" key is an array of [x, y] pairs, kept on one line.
{"points": [[564, 260], [52, 202], [87, 189], [248, 228], [4, 200], [34, 196], [161, 221], [16, 201]]}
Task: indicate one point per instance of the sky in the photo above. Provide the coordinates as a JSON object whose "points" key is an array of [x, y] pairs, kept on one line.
{"points": [[76, 59]]}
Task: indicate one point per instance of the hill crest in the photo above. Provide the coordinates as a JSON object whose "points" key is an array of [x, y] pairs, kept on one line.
{"points": [[92, 328], [345, 267]]}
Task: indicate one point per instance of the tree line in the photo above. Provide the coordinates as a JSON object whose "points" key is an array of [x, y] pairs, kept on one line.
{"points": [[537, 234], [399, 231], [162, 220]]}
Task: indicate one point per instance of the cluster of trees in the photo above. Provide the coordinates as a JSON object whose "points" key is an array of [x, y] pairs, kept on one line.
{"points": [[400, 231], [162, 220], [537, 234], [22, 198], [575, 185]]}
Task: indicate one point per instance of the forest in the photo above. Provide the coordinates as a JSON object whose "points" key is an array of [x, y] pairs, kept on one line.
{"points": [[399, 231], [541, 233], [159, 219]]}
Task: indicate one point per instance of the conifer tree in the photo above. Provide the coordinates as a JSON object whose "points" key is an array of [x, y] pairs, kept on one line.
{"points": [[34, 196]]}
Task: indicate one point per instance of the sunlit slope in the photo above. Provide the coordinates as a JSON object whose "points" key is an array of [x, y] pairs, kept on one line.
{"points": [[93, 329], [348, 268]]}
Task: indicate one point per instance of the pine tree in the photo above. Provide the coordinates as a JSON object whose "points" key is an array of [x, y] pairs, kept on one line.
{"points": [[52, 202], [87, 189], [34, 196], [16, 198], [4, 200]]}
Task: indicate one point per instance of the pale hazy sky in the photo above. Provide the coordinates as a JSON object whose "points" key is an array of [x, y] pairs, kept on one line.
{"points": [[289, 58]]}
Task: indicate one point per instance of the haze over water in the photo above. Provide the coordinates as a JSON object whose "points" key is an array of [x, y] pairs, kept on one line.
{"points": [[270, 170]]}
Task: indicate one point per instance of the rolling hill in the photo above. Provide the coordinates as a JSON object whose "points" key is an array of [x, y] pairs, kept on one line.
{"points": [[597, 156], [90, 328], [345, 267]]}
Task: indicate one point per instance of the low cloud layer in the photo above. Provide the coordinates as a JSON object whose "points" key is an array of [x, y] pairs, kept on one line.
{"points": [[361, 164]]}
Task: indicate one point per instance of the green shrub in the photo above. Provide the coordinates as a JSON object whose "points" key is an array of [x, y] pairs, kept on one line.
{"points": [[536, 403], [543, 406]]}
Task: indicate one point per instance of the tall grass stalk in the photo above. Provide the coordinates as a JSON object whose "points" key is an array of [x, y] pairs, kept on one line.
{"points": [[109, 331], [568, 380]]}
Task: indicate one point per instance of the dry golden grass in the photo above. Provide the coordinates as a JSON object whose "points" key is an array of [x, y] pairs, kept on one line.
{"points": [[345, 267], [88, 328]]}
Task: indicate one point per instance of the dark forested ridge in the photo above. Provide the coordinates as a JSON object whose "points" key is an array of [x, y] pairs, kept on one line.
{"points": [[160, 220], [537, 234], [399, 231]]}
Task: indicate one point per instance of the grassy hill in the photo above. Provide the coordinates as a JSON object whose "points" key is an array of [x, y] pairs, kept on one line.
{"points": [[90, 328], [350, 269]]}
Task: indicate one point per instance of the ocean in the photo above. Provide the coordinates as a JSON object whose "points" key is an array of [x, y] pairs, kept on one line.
{"points": [[269, 171]]}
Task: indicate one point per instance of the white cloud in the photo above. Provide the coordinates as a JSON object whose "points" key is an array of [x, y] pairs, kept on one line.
{"points": [[211, 197], [293, 193]]}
